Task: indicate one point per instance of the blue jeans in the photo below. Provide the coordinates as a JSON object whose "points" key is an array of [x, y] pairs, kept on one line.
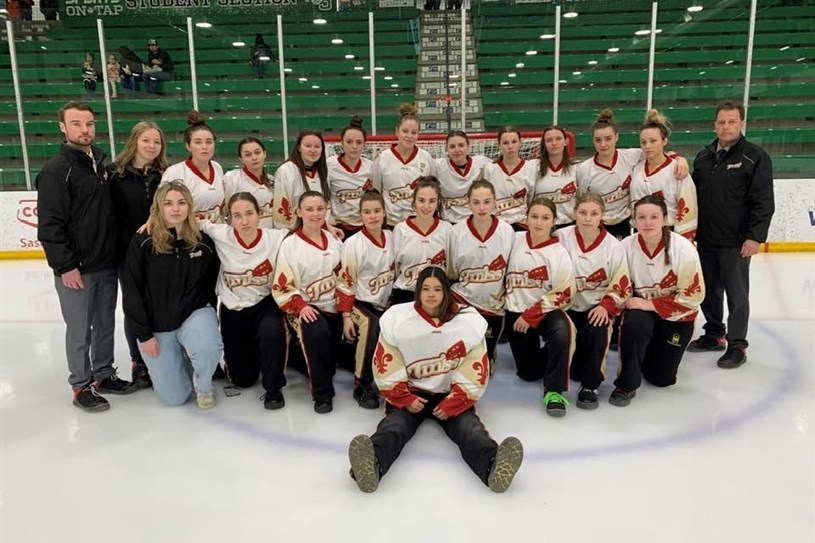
{"points": [[172, 374]]}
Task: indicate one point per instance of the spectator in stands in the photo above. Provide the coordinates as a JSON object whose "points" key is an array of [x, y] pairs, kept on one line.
{"points": [[77, 229], [261, 54], [453, 4], [26, 9], [114, 72], [734, 180], [159, 68], [89, 75], [432, 5], [132, 70], [49, 9]]}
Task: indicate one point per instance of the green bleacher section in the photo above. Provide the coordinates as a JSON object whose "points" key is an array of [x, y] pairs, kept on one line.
{"points": [[700, 59]]}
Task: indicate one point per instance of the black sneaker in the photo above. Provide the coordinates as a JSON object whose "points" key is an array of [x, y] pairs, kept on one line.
{"points": [[506, 464], [114, 385], [274, 400], [366, 397], [706, 343], [587, 398], [364, 467], [87, 399], [140, 375], [734, 358], [323, 406], [621, 398]]}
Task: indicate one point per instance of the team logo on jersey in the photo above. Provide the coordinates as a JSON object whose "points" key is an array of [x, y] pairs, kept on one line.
{"points": [[282, 285], [345, 195], [482, 370], [659, 194], [563, 298], [440, 364], [694, 287], [404, 192], [211, 215], [382, 280], [324, 285], [285, 210], [267, 210], [258, 276], [664, 288], [517, 200], [681, 209], [381, 359], [561, 196], [623, 287], [527, 279], [412, 273], [591, 282], [488, 273], [620, 193], [447, 203]]}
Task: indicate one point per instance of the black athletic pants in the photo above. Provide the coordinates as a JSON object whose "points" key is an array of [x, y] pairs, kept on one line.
{"points": [[591, 348], [650, 347], [255, 344], [466, 430], [399, 296], [726, 272], [495, 326], [323, 349], [550, 361]]}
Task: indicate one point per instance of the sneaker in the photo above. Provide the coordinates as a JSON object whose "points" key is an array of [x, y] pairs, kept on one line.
{"points": [[206, 400], [364, 467], [114, 385], [140, 375], [706, 343], [87, 399], [587, 398], [554, 403], [620, 397], [323, 406], [734, 358], [366, 397], [274, 400], [506, 464]]}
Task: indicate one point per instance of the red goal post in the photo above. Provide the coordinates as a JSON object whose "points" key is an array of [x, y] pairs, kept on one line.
{"points": [[481, 143]]}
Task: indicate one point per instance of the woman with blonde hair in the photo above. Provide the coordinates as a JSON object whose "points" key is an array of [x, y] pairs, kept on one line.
{"points": [[168, 286], [134, 178]]}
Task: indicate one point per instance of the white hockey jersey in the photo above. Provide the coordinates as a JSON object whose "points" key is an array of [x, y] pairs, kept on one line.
{"points": [[415, 353], [368, 270], [513, 189], [455, 182], [347, 186], [415, 251], [611, 183], [305, 273], [676, 289], [243, 180], [479, 264], [398, 176], [246, 273], [207, 191], [679, 195], [539, 278], [288, 187], [560, 186], [600, 269]]}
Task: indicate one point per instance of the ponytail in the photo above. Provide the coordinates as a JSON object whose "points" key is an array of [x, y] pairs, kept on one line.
{"points": [[666, 242]]}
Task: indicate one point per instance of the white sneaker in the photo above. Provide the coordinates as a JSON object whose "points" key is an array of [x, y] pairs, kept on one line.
{"points": [[206, 400]]}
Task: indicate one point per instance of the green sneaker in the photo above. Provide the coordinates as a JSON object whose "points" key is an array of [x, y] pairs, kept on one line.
{"points": [[554, 403]]}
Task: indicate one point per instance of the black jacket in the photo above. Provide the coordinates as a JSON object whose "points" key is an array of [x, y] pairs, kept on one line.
{"points": [[77, 225], [166, 62], [735, 195], [133, 191], [161, 291]]}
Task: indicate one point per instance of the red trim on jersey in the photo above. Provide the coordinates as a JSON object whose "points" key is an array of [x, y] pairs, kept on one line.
{"points": [[345, 302], [251, 245], [295, 305], [658, 168], [456, 402], [490, 232], [423, 314], [413, 226], [194, 169], [409, 159], [550, 241], [251, 176], [607, 303], [515, 170], [378, 243], [467, 166], [346, 167], [650, 255], [310, 174], [310, 241], [554, 169], [534, 315], [399, 396], [613, 162], [594, 244]]}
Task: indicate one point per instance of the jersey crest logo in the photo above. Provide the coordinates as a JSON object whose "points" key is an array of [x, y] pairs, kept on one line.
{"points": [[694, 287], [381, 359], [346, 276], [665, 287], [285, 210], [324, 285], [412, 273], [258, 276], [211, 215], [488, 273], [561, 195], [440, 364], [482, 370], [681, 210], [592, 281], [282, 285], [345, 195], [623, 287], [454, 202], [267, 210], [563, 298], [510, 202], [404, 192], [382, 280], [533, 278]]}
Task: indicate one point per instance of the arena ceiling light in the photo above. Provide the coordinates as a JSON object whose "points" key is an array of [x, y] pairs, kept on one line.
{"points": [[800, 59], [287, 70], [315, 86], [366, 77], [264, 58], [547, 36], [319, 21], [336, 41], [504, 83], [394, 85], [240, 44], [577, 73], [562, 81], [358, 68], [349, 57], [570, 14], [388, 78], [3, 11], [729, 62], [520, 65], [203, 24], [646, 32], [784, 48], [531, 53], [695, 9], [613, 49], [592, 63], [302, 79], [379, 69], [512, 75]]}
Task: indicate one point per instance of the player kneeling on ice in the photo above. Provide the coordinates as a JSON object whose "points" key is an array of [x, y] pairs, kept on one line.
{"points": [[431, 363], [657, 323]]}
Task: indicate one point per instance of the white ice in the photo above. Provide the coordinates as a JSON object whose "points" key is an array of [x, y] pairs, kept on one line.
{"points": [[724, 456]]}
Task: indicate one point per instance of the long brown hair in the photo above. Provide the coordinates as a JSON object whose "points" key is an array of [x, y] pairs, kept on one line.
{"points": [[544, 153], [429, 182], [449, 308], [321, 164], [507, 130], [160, 234], [241, 197], [126, 157], [298, 222], [666, 230], [264, 178]]}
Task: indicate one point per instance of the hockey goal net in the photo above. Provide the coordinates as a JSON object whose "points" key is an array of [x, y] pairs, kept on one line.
{"points": [[484, 143]]}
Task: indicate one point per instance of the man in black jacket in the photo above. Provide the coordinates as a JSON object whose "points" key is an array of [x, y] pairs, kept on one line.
{"points": [[734, 185], [160, 67], [77, 229]]}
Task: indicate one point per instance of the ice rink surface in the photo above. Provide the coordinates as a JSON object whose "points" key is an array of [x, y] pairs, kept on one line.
{"points": [[724, 456]]}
